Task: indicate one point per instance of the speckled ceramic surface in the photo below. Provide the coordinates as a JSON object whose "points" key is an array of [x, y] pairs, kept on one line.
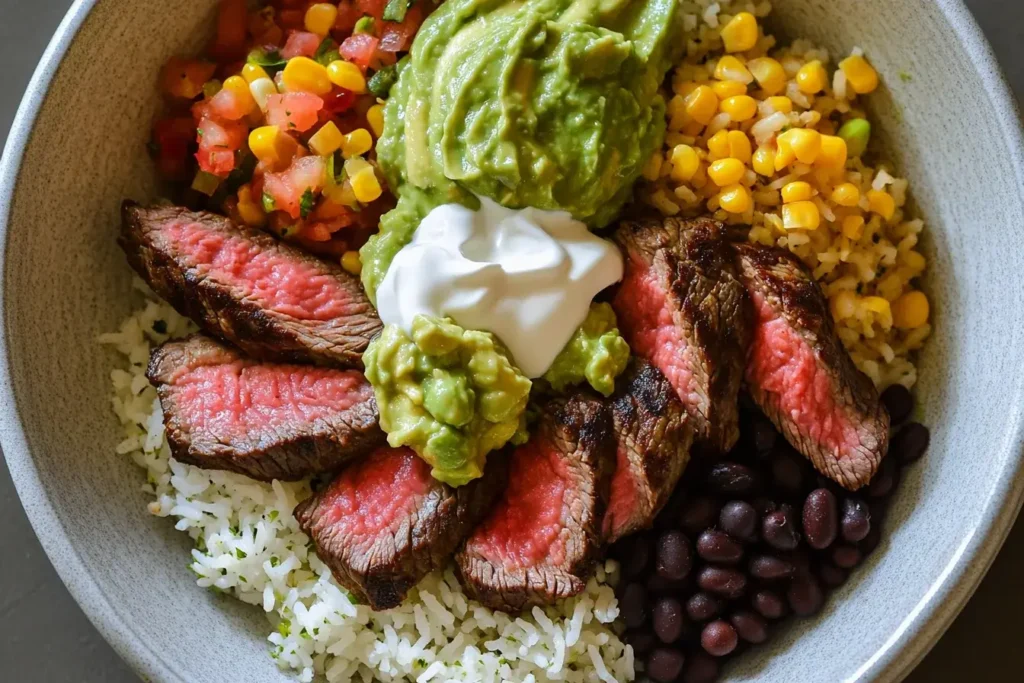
{"points": [[77, 149]]}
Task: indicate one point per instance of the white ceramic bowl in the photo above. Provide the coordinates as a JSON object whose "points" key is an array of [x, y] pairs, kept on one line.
{"points": [[76, 150]]}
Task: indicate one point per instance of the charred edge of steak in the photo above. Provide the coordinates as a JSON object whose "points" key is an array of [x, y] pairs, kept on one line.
{"points": [[790, 290], [226, 314], [306, 449], [383, 577], [653, 433]]}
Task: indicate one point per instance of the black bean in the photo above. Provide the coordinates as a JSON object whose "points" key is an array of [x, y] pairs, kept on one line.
{"points": [[805, 595], [769, 568], [637, 554], [673, 558], [633, 605], [728, 583], [898, 400], [642, 640], [698, 514], [884, 480], [700, 668], [846, 556], [731, 477], [856, 520], [820, 519], [871, 541], [764, 435], [831, 575], [718, 546], [739, 519], [719, 638], [769, 604], [702, 606], [749, 626], [910, 443], [665, 664], [779, 529], [788, 473], [668, 619]]}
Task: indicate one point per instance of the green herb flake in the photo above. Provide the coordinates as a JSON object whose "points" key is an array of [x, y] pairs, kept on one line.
{"points": [[199, 132], [327, 52], [284, 627], [395, 10], [241, 554], [270, 60], [380, 83], [273, 515], [269, 206], [307, 202], [274, 561], [906, 77], [364, 25]]}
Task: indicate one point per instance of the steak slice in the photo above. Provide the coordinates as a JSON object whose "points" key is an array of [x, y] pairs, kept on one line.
{"points": [[270, 299], [681, 307], [224, 411], [801, 376], [653, 441], [539, 542], [384, 523]]}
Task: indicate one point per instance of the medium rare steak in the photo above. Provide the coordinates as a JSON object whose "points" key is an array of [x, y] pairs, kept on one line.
{"points": [[384, 522], [653, 439], [271, 300], [801, 376], [539, 542], [681, 307], [269, 421]]}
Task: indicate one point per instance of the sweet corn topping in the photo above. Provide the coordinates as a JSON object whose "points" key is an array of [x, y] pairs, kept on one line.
{"points": [[781, 104], [320, 18], [327, 140], [843, 305], [346, 75], [736, 199], [739, 146], [356, 143], [833, 152], [366, 186], [853, 227], [740, 108], [882, 203], [769, 74], [237, 86], [798, 144], [798, 191], [812, 78], [261, 90], [801, 216], [302, 74], [740, 34], [685, 163], [727, 89], [350, 262], [272, 147], [911, 310], [764, 162], [726, 172], [375, 117], [861, 76], [252, 72], [846, 194], [731, 69], [701, 105], [718, 145]]}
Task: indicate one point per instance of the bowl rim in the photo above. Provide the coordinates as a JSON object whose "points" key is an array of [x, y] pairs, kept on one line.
{"points": [[901, 652]]}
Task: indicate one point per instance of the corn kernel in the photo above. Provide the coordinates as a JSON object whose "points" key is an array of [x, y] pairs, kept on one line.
{"points": [[346, 75], [913, 260], [252, 214], [320, 18], [685, 163], [801, 216], [812, 78], [727, 172], [366, 186], [882, 203], [375, 117], [686, 87], [798, 144], [252, 72], [833, 152], [798, 191], [739, 146], [764, 161], [702, 105], [769, 74], [740, 108], [843, 305], [262, 89], [736, 199], [853, 227], [881, 307], [302, 74], [718, 145], [910, 311], [731, 69], [272, 147], [781, 104], [861, 76], [350, 262], [846, 194], [727, 89], [740, 34], [356, 143], [237, 86], [327, 140]]}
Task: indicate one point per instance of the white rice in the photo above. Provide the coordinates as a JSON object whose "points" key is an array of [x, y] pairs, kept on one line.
{"points": [[248, 545]]}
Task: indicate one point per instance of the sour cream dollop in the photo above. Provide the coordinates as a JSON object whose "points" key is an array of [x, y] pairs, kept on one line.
{"points": [[527, 275]]}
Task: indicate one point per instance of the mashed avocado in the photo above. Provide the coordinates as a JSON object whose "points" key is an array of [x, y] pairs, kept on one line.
{"points": [[546, 103], [450, 394], [596, 354]]}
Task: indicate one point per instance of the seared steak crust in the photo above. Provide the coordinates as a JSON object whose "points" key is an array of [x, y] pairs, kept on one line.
{"points": [[225, 301]]}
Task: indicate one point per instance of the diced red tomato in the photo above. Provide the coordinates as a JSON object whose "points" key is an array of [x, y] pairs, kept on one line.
{"points": [[227, 105], [229, 41], [288, 186], [348, 15], [184, 78], [294, 111], [301, 44], [172, 138], [360, 49], [219, 139], [397, 37], [339, 101], [375, 8]]}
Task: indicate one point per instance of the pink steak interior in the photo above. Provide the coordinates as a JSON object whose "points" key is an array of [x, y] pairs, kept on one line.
{"points": [[623, 500]]}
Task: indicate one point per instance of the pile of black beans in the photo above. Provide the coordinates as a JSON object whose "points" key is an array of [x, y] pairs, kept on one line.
{"points": [[747, 541]]}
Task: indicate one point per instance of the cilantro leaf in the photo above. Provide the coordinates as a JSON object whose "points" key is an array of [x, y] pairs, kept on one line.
{"points": [[269, 205], [336, 169], [327, 52], [380, 83], [364, 25], [270, 60], [307, 202], [395, 10]]}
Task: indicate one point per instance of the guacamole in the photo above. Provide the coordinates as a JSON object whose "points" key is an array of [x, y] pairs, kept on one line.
{"points": [[450, 394], [552, 104], [596, 354]]}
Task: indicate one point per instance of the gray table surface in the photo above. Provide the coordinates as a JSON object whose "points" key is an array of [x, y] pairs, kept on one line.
{"points": [[44, 637]]}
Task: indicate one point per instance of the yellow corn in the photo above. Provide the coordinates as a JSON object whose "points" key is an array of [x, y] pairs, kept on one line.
{"points": [[237, 86], [356, 143], [913, 260], [727, 89], [861, 76], [853, 227], [727, 172], [797, 144], [769, 74], [798, 191], [880, 306], [718, 145], [781, 104], [686, 87], [736, 199], [272, 147], [833, 152], [740, 34], [302, 74], [327, 140], [731, 69], [843, 305], [740, 108], [350, 262], [252, 72], [366, 186], [764, 161], [739, 146], [846, 194], [882, 203], [320, 18], [812, 78], [261, 90], [801, 216], [375, 117], [685, 163], [346, 75], [910, 310], [701, 105], [251, 211]]}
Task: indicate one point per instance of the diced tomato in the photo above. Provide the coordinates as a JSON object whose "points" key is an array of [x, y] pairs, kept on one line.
{"points": [[294, 111], [339, 101], [172, 138], [229, 41], [397, 37], [228, 105], [184, 78], [219, 162], [219, 139], [301, 44], [360, 49], [288, 187], [375, 8], [348, 15]]}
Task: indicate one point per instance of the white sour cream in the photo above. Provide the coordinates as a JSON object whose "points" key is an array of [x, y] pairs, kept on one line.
{"points": [[528, 276]]}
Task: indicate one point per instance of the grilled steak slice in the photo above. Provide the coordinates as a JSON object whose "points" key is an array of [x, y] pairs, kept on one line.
{"points": [[538, 543], [272, 300], [268, 421], [653, 446], [681, 307], [801, 376], [384, 522]]}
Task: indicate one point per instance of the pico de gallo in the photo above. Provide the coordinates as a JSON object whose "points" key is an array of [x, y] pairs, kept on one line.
{"points": [[276, 126]]}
